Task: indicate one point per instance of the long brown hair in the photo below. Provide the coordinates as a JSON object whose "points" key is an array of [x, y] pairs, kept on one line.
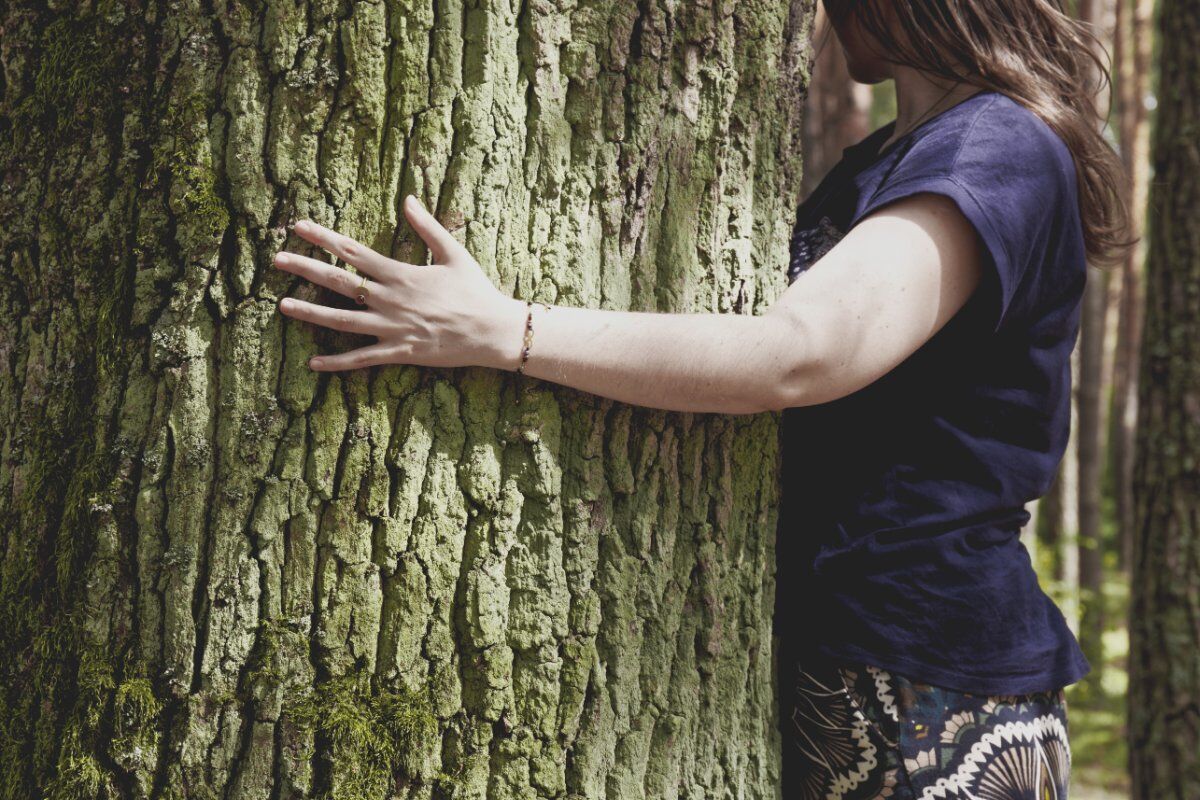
{"points": [[1036, 54]]}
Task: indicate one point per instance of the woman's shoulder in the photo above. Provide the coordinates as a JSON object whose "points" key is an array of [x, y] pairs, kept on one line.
{"points": [[1009, 132], [992, 140]]}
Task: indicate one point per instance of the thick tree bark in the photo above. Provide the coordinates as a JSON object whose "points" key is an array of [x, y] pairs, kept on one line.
{"points": [[226, 576], [1164, 696]]}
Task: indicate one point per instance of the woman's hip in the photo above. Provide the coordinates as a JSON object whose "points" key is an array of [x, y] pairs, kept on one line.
{"points": [[856, 732]]}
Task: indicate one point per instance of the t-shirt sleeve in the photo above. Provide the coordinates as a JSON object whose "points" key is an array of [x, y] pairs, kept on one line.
{"points": [[1013, 187]]}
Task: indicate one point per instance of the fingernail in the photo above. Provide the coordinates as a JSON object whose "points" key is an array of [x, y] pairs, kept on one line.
{"points": [[302, 226], [286, 304], [315, 363], [281, 258]]}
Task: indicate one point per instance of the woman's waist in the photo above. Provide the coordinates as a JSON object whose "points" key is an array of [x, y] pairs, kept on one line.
{"points": [[952, 542]]}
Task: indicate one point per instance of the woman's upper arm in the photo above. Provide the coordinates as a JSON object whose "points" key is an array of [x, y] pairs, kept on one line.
{"points": [[883, 291]]}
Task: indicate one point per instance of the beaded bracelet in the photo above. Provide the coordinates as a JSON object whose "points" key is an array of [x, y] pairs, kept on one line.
{"points": [[528, 334]]}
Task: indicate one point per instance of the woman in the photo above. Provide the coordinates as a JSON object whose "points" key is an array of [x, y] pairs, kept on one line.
{"points": [[922, 365]]}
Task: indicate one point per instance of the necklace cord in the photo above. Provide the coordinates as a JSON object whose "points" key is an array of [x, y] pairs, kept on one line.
{"points": [[921, 118]]}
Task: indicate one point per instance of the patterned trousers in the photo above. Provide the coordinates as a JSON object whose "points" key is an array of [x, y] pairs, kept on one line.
{"points": [[859, 733]]}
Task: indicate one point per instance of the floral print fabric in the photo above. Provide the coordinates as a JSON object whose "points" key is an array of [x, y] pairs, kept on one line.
{"points": [[861, 733]]}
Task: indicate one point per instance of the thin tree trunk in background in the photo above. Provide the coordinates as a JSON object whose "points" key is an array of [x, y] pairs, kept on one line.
{"points": [[1092, 428], [1058, 514], [1135, 36], [1164, 676], [837, 110], [223, 575], [1090, 454], [1058, 517], [1050, 524]]}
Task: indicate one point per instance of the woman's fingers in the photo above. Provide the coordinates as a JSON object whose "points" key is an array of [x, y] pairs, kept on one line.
{"points": [[441, 243], [339, 280], [340, 319], [345, 248], [369, 356]]}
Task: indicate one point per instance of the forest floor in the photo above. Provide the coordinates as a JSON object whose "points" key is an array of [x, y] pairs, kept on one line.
{"points": [[1087, 792]]}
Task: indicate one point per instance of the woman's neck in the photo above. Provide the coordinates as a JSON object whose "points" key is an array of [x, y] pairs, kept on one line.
{"points": [[920, 96]]}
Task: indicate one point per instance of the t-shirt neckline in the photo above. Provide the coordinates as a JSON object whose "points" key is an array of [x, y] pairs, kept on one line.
{"points": [[867, 150]]}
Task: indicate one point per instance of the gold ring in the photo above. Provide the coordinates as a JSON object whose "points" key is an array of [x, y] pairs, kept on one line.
{"points": [[363, 293]]}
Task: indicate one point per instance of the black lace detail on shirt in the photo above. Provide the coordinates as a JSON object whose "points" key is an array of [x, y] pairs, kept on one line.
{"points": [[810, 244]]}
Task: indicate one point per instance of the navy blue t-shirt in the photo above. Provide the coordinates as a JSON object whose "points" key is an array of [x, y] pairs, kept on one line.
{"points": [[902, 502]]}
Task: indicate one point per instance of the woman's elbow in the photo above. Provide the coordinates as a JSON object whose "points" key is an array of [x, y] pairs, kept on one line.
{"points": [[801, 382], [804, 373]]}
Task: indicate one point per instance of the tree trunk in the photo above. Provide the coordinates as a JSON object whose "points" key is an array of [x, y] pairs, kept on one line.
{"points": [[1058, 517], [1091, 471], [837, 108], [226, 576], [1091, 457], [1050, 525], [1133, 57], [1164, 696], [1092, 427]]}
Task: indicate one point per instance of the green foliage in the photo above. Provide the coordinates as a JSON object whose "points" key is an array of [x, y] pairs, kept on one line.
{"points": [[1097, 709], [883, 104]]}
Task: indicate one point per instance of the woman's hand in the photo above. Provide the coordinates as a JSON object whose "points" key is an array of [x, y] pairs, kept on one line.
{"points": [[884, 290], [445, 314]]}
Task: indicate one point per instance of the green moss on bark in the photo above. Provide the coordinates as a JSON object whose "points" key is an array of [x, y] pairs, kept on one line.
{"points": [[378, 737], [79, 67], [184, 154], [110, 733]]}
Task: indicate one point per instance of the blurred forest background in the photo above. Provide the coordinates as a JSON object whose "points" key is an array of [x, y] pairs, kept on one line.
{"points": [[1081, 535]]}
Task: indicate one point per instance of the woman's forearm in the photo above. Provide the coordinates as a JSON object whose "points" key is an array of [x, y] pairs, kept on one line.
{"points": [[721, 363], [450, 314], [846, 324]]}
